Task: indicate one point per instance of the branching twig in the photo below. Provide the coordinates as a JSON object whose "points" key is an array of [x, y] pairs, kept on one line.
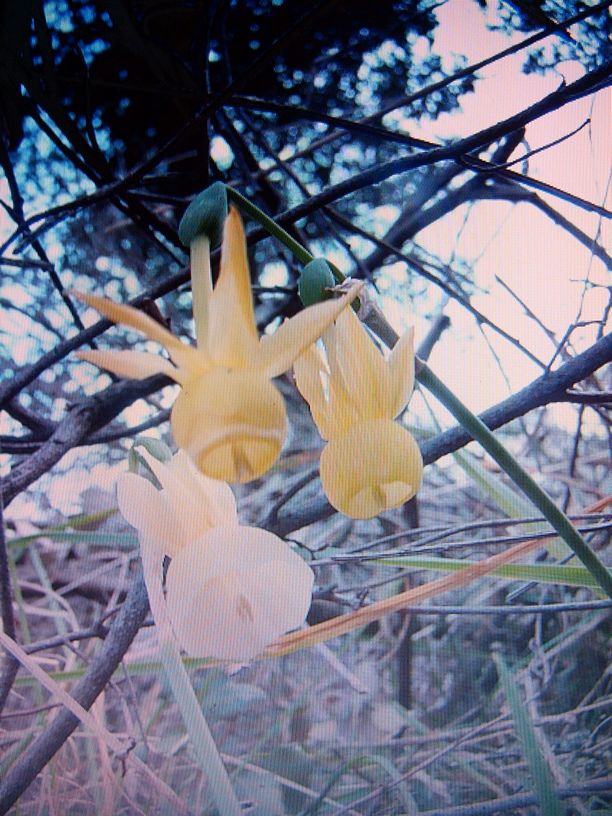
{"points": [[89, 415], [122, 632]]}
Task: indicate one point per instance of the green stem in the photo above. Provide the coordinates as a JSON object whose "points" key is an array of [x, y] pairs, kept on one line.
{"points": [[302, 254], [479, 431], [199, 733], [273, 228]]}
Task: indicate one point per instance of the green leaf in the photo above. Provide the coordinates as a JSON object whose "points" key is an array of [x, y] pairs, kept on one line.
{"points": [[542, 778], [542, 573], [119, 541]]}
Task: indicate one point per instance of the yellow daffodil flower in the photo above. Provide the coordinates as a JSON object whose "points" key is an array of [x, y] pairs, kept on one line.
{"points": [[370, 463], [230, 590], [229, 417]]}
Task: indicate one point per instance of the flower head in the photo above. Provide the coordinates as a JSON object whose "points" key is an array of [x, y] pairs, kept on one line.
{"points": [[229, 416], [370, 463], [230, 590]]}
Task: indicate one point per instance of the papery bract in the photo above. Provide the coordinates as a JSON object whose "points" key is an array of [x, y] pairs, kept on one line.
{"points": [[370, 463], [229, 417]]}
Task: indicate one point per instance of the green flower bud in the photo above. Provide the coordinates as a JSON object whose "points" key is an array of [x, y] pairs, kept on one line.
{"points": [[205, 216], [315, 279]]}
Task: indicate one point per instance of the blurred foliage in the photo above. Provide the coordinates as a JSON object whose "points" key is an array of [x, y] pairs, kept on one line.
{"points": [[135, 69]]}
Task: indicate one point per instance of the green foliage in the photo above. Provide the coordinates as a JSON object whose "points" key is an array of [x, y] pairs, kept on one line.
{"points": [[542, 573], [542, 778]]}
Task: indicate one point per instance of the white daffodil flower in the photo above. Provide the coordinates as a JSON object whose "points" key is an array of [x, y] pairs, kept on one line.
{"points": [[230, 590]]}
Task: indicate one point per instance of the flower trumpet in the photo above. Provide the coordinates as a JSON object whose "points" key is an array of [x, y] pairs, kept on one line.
{"points": [[230, 590], [229, 417], [370, 462]]}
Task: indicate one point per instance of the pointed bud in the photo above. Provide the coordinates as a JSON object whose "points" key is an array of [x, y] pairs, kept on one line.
{"points": [[315, 279], [205, 216]]}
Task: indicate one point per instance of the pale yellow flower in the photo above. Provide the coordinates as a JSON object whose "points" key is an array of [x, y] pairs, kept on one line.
{"points": [[370, 463], [230, 590], [229, 416]]}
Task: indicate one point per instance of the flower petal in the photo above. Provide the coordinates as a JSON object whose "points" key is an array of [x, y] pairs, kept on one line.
{"points": [[234, 591], [401, 371], [232, 338], [231, 422], [343, 410], [196, 500], [183, 355], [144, 507], [309, 370], [374, 466], [361, 367], [278, 351], [136, 365]]}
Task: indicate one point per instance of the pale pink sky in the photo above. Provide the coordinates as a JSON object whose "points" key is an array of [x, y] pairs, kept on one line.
{"points": [[538, 260]]}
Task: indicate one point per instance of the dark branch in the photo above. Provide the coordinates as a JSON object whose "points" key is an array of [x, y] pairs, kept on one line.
{"points": [[589, 83], [84, 418], [122, 632]]}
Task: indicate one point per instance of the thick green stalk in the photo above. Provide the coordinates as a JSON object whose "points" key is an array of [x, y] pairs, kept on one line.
{"points": [[557, 518]]}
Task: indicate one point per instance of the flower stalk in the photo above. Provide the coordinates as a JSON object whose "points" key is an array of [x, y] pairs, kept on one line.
{"points": [[248, 208], [210, 761]]}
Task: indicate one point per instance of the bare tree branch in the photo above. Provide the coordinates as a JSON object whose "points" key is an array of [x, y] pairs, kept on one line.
{"points": [[89, 415], [122, 632]]}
